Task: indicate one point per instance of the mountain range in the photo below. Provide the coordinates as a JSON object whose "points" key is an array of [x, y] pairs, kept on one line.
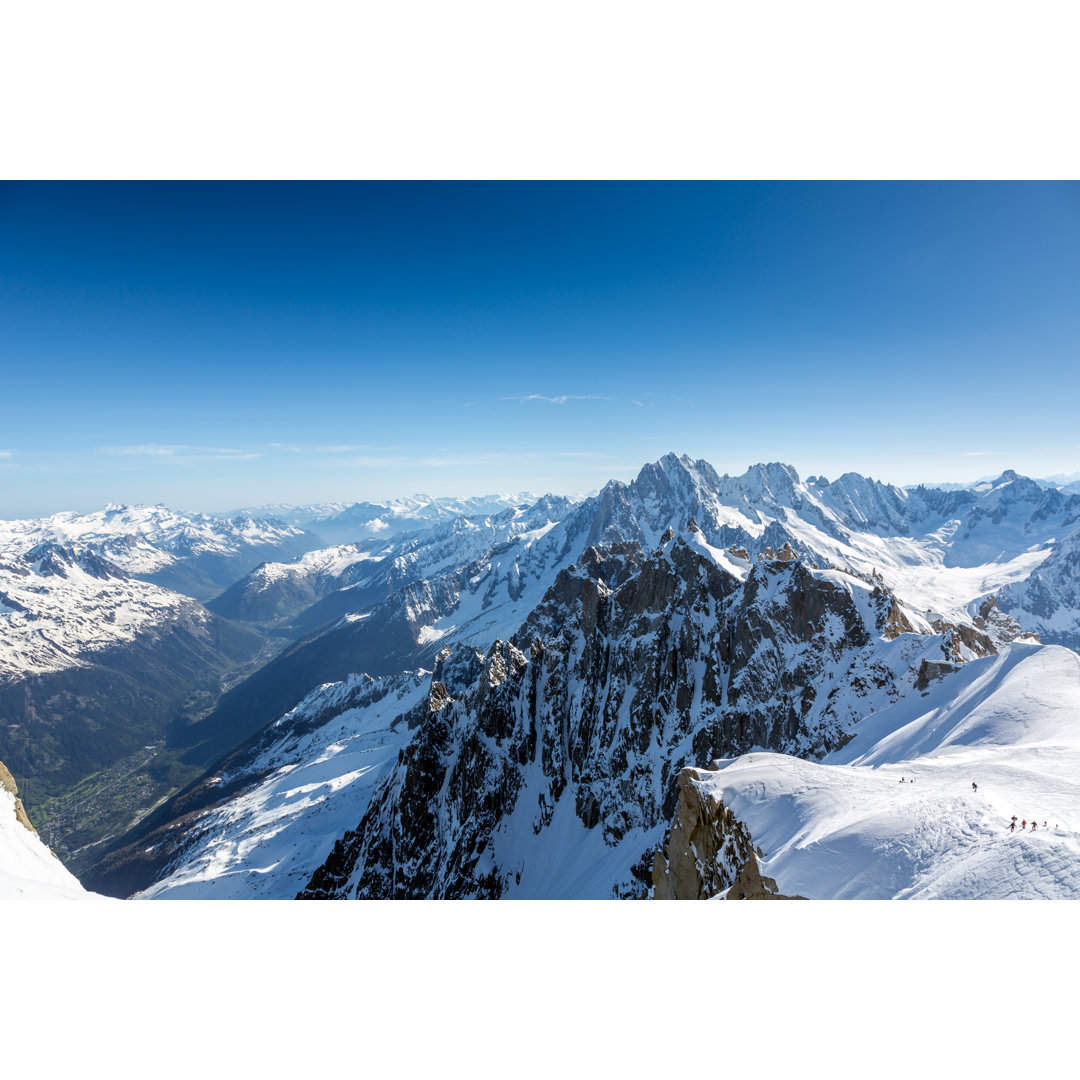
{"points": [[553, 697]]}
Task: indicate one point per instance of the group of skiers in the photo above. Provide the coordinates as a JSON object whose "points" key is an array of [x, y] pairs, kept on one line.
{"points": [[1024, 824], [1012, 825], [1023, 821]]}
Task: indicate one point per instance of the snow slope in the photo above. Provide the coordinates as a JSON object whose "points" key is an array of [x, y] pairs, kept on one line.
{"points": [[847, 827], [28, 869], [308, 784]]}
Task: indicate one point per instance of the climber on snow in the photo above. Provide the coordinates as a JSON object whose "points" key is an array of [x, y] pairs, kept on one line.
{"points": [[974, 786], [1012, 825]]}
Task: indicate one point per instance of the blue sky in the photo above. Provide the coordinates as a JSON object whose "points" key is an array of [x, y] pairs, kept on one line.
{"points": [[220, 345]]}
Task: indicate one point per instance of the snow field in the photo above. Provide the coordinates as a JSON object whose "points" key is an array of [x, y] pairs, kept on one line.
{"points": [[893, 815]]}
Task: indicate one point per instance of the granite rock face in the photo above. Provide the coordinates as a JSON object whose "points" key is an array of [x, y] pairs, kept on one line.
{"points": [[706, 849]]}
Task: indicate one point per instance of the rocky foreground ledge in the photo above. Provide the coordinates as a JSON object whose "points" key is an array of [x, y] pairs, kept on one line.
{"points": [[7, 782], [709, 853]]}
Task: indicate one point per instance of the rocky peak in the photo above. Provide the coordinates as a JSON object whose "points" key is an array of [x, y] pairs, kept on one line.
{"points": [[706, 846], [457, 667], [962, 642], [51, 559], [1000, 627], [772, 484], [673, 485]]}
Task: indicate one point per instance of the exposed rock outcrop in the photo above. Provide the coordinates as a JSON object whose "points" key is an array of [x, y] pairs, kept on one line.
{"points": [[751, 884], [1001, 627], [7, 782], [706, 846]]}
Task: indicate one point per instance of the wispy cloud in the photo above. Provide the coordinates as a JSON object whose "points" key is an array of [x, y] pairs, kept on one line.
{"points": [[980, 453], [7, 453], [559, 399], [677, 398], [178, 454]]}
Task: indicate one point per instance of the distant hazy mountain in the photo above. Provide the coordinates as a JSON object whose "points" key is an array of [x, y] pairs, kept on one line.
{"points": [[196, 554], [347, 523]]}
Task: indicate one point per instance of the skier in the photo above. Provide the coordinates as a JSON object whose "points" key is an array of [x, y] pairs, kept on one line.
{"points": [[1012, 825], [1023, 824], [974, 786], [1034, 826]]}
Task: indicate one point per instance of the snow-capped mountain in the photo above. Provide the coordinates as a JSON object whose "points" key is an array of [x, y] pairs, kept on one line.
{"points": [[58, 607], [192, 553], [349, 523], [267, 817], [546, 768], [368, 572], [94, 663], [382, 609], [95, 660], [1049, 600], [943, 550]]}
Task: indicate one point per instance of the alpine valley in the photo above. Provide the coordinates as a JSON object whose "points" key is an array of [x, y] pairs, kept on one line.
{"points": [[688, 686]]}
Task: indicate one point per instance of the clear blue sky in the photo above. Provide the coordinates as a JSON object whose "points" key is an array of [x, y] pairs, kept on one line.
{"points": [[220, 345]]}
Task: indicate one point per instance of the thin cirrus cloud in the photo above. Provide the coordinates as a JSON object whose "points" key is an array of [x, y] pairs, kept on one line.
{"points": [[559, 399], [178, 454]]}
